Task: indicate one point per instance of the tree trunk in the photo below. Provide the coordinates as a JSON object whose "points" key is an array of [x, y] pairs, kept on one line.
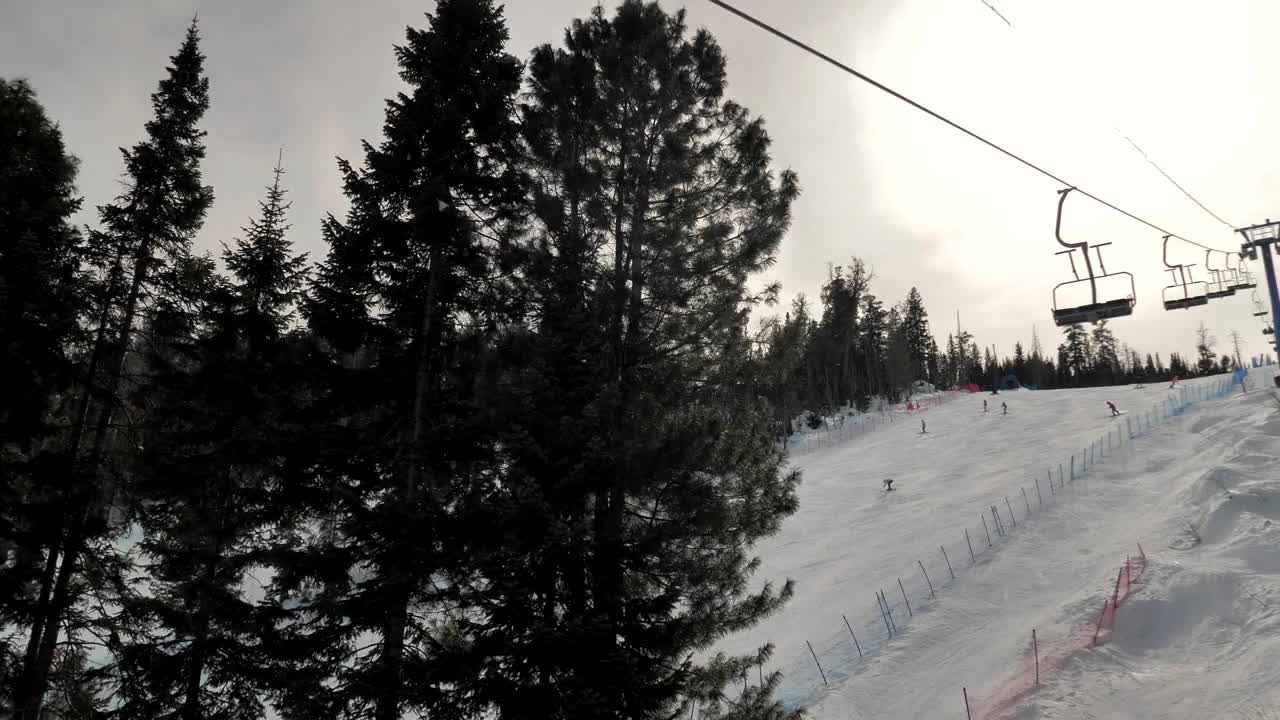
{"points": [[44, 632], [425, 381]]}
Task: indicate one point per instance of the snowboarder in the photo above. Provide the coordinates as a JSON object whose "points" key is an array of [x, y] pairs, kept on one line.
{"points": [[1175, 382], [888, 484], [1004, 408], [1114, 411], [984, 406], [922, 430]]}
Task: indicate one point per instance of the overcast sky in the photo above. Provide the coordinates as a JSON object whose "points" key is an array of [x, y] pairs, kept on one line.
{"points": [[1193, 84]]}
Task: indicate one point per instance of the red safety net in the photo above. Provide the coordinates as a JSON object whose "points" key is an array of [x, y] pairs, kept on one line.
{"points": [[1042, 658]]}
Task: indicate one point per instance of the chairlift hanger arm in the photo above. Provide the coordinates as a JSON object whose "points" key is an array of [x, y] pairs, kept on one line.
{"points": [[1083, 246]]}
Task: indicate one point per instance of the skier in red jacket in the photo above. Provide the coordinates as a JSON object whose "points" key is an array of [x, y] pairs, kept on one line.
{"points": [[1112, 405]]}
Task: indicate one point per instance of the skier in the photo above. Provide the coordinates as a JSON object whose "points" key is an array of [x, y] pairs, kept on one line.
{"points": [[922, 430], [1004, 408], [984, 406], [1175, 382], [1114, 411], [888, 484]]}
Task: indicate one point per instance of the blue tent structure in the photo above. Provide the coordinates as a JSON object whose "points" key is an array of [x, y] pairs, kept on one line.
{"points": [[1010, 382]]}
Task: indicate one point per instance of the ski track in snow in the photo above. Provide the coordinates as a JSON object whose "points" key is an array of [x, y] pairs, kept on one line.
{"points": [[1197, 638]]}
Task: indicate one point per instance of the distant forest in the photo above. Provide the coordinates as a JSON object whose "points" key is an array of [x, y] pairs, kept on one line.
{"points": [[850, 348]]}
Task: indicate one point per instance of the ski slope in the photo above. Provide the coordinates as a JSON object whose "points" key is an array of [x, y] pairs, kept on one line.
{"points": [[1197, 638]]}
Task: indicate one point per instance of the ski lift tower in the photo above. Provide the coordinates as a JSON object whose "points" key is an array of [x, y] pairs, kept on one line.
{"points": [[1264, 237]]}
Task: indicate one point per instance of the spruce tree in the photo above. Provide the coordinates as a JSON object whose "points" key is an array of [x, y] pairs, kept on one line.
{"points": [[145, 238], [1019, 362], [1106, 357], [217, 439], [403, 307], [39, 264], [640, 466], [40, 287], [1074, 363], [915, 334]]}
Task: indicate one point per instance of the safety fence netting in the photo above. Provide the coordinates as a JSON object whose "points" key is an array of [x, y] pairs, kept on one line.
{"points": [[1045, 656], [860, 631], [840, 428]]}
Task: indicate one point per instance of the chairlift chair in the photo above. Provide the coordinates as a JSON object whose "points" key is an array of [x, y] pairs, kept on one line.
{"points": [[1241, 279], [1179, 272], [1218, 287], [1094, 310]]}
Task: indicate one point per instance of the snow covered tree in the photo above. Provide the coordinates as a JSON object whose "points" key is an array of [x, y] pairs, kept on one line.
{"points": [[404, 307], [138, 257], [640, 467]]}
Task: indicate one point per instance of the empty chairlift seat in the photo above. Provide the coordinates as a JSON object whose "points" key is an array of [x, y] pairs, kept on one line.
{"points": [[1180, 295], [1095, 309]]}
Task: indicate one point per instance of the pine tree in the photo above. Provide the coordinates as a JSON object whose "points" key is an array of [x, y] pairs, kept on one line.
{"points": [[1150, 367], [40, 286], [1074, 363], [640, 468], [39, 264], [1105, 355], [873, 351], [934, 363], [146, 237], [1019, 362], [404, 306], [219, 418], [915, 334], [898, 361]]}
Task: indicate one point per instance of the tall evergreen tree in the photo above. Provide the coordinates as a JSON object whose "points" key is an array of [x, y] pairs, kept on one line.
{"points": [[39, 264], [1105, 354], [145, 240], [1074, 363], [915, 334], [40, 287], [873, 350], [640, 467], [403, 304], [219, 419], [1019, 362]]}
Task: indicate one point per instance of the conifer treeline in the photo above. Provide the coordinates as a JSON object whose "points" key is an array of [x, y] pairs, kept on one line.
{"points": [[852, 349], [502, 452]]}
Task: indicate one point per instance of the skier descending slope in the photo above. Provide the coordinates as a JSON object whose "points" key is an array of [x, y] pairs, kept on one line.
{"points": [[984, 406], [888, 484], [1114, 411], [1004, 408]]}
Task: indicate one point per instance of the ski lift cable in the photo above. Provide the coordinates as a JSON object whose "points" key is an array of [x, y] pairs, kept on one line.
{"points": [[1146, 157], [1178, 185], [941, 118]]}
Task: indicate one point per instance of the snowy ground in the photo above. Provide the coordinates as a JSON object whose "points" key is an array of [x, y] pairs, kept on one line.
{"points": [[1197, 639]]}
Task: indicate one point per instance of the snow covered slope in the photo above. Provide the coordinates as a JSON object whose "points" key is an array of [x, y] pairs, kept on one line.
{"points": [[1197, 639]]}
